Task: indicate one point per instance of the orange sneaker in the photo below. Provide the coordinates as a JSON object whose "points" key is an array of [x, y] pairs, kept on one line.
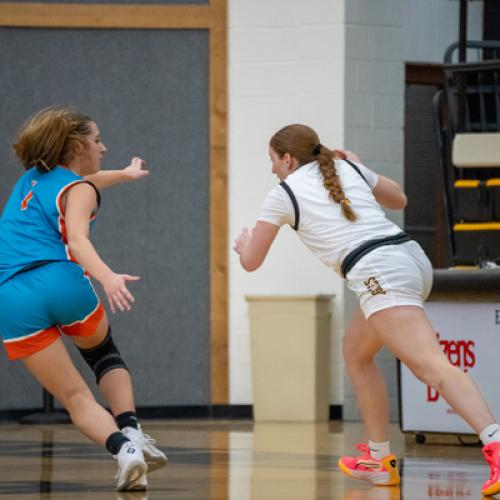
{"points": [[492, 455], [379, 472]]}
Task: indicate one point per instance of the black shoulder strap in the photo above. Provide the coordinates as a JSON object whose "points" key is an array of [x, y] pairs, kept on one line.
{"points": [[355, 167], [287, 188]]}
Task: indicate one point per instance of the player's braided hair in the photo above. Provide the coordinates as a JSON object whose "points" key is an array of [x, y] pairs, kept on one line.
{"points": [[303, 144], [51, 137]]}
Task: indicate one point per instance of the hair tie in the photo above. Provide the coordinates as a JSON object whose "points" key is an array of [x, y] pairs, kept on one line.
{"points": [[42, 164], [317, 149]]}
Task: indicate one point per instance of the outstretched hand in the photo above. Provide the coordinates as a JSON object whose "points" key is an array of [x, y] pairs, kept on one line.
{"points": [[242, 240], [117, 292], [136, 169]]}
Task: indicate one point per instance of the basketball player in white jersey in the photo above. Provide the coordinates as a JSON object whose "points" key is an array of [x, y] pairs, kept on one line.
{"points": [[335, 207]]}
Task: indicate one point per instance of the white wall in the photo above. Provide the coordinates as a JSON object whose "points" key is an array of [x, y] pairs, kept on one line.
{"points": [[337, 65], [285, 66]]}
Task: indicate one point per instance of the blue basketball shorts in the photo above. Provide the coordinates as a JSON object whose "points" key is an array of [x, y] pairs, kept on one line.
{"points": [[36, 306]]}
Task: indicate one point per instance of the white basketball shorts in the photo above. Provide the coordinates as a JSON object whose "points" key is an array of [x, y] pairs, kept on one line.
{"points": [[392, 275]]}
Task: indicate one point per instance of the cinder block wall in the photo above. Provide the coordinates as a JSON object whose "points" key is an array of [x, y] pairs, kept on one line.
{"points": [[286, 65]]}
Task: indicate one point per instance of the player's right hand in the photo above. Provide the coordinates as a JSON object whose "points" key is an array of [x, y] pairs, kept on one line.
{"points": [[136, 169], [117, 292]]}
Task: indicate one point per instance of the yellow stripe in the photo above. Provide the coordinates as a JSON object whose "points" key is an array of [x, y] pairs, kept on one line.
{"points": [[466, 183], [485, 226], [493, 182]]}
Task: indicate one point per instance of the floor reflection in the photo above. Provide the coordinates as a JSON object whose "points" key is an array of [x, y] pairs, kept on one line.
{"points": [[442, 478], [373, 493], [232, 460], [138, 495], [46, 453]]}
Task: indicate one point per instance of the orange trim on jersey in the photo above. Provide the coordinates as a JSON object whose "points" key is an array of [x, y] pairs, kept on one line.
{"points": [[87, 326], [31, 344]]}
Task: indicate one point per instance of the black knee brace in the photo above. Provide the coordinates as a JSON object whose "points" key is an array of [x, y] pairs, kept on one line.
{"points": [[103, 357]]}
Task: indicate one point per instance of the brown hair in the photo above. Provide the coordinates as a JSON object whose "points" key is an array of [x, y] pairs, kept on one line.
{"points": [[303, 144], [51, 137]]}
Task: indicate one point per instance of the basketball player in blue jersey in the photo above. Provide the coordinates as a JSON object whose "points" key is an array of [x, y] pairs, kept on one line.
{"points": [[335, 207], [46, 262]]}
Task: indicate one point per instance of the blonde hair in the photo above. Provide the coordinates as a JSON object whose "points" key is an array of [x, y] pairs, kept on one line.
{"points": [[51, 137], [303, 144]]}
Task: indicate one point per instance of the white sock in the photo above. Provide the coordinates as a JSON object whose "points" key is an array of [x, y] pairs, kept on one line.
{"points": [[379, 450], [490, 434]]}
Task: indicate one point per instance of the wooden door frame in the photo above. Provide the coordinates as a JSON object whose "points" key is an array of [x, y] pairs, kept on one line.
{"points": [[212, 17]]}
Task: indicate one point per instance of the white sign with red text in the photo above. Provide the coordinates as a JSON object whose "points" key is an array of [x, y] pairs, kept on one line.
{"points": [[469, 334]]}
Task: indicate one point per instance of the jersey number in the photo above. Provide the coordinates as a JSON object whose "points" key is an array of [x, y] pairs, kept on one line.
{"points": [[27, 199]]}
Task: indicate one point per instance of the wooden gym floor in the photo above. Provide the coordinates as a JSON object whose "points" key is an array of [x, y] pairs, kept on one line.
{"points": [[233, 460]]}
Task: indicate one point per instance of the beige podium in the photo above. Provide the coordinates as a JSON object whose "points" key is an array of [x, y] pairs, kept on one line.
{"points": [[290, 345]]}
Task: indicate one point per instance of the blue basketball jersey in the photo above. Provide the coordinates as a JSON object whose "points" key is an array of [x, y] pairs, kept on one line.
{"points": [[32, 227]]}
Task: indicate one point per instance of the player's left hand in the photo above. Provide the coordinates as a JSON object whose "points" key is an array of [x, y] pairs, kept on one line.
{"points": [[136, 169], [242, 240]]}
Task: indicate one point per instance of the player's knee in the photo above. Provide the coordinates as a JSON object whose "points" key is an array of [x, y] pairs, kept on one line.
{"points": [[445, 375], [348, 348], [104, 357], [353, 354], [430, 372]]}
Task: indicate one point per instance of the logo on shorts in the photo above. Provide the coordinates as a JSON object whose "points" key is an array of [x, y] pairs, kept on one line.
{"points": [[373, 286]]}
